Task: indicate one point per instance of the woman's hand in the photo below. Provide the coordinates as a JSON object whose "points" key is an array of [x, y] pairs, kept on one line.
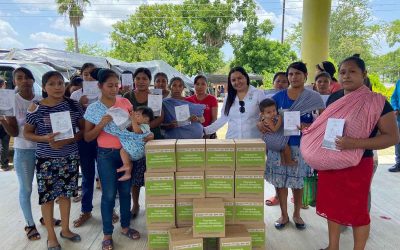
{"points": [[303, 126], [194, 118], [263, 127], [343, 143], [173, 124], [54, 144], [84, 101], [149, 137], [105, 120]]}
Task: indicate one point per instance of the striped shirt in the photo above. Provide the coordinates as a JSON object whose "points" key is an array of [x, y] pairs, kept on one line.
{"points": [[40, 119]]}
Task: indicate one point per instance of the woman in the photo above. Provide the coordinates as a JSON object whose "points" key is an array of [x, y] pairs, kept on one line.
{"points": [[295, 98], [98, 126], [192, 130], [74, 85], [350, 170], [57, 161], [240, 109], [201, 97], [328, 67], [139, 97], [24, 150], [161, 82], [322, 85], [280, 82]]}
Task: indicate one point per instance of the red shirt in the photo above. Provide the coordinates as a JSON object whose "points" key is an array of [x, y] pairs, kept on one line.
{"points": [[335, 86], [210, 101]]}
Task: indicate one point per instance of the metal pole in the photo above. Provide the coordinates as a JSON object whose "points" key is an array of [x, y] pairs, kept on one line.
{"points": [[283, 21]]}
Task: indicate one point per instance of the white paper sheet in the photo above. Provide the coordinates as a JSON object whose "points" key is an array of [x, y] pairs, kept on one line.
{"points": [[155, 103], [291, 122], [334, 128], [182, 114], [156, 91], [7, 102], [91, 89], [127, 80], [61, 122], [120, 117]]}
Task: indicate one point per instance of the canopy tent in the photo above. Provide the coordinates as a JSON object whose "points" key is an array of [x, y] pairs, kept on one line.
{"points": [[68, 62]]}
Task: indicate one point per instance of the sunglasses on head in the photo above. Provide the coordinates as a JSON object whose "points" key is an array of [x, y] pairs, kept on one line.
{"points": [[241, 108]]}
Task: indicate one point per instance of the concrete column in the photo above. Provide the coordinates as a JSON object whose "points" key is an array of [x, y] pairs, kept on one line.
{"points": [[315, 39]]}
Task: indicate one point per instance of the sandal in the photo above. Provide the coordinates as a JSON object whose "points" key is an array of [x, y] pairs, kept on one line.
{"points": [[58, 247], [132, 234], [273, 201], [32, 233], [56, 222], [107, 244], [115, 217], [83, 217], [300, 225]]}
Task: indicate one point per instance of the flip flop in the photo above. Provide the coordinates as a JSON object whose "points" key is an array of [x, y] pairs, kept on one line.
{"points": [[32, 233], [132, 234], [273, 201], [107, 245]]}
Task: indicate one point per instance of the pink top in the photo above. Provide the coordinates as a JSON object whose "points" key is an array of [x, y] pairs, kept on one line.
{"points": [[105, 140], [335, 86]]}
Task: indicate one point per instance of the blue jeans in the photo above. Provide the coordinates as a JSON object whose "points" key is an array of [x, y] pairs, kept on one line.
{"points": [[24, 164], [88, 154], [397, 146], [108, 160]]}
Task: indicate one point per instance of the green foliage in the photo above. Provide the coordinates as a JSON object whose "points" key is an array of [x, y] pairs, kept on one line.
{"points": [[73, 9], [377, 86], [85, 48], [393, 33], [187, 36]]}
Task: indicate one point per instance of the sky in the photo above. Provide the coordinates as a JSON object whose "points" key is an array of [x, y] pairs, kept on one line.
{"points": [[36, 23]]}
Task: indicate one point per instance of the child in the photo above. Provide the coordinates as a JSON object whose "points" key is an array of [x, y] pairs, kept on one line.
{"points": [[271, 118], [141, 119]]}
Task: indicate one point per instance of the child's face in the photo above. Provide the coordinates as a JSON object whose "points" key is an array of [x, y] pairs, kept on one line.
{"points": [[269, 112], [55, 87], [86, 74], [140, 118]]}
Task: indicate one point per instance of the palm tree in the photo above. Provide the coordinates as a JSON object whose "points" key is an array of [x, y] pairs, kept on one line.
{"points": [[74, 10]]}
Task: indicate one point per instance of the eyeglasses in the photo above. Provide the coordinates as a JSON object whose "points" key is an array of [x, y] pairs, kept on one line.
{"points": [[241, 109]]}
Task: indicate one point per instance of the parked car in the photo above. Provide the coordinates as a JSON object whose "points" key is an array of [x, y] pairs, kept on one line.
{"points": [[37, 69]]}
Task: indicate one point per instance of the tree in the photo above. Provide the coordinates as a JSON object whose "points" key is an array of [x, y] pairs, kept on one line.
{"points": [[255, 51], [85, 48], [74, 10], [181, 35], [393, 33], [350, 31]]}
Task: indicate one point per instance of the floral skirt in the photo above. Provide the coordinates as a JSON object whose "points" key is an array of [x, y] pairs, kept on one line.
{"points": [[138, 169], [286, 176], [57, 177]]}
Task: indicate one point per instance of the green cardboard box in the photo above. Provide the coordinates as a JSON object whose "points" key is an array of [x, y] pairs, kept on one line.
{"points": [[236, 238], [191, 155], [182, 239], [208, 218], [229, 204], [220, 154], [160, 213], [249, 210], [160, 185], [157, 238], [184, 212], [249, 184], [250, 154], [160, 156], [189, 184], [220, 184], [257, 233], [210, 243]]}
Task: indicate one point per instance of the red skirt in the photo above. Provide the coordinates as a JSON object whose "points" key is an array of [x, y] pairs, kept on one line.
{"points": [[342, 195]]}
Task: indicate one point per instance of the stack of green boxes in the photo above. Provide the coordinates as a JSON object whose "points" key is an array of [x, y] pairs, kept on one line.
{"points": [[217, 196]]}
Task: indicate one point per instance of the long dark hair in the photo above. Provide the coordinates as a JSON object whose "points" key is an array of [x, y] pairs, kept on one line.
{"points": [[327, 67], [232, 92]]}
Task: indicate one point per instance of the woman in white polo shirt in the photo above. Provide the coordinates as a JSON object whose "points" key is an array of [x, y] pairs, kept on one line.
{"points": [[240, 109]]}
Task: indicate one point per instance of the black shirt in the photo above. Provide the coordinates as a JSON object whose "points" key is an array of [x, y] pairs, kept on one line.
{"points": [[386, 109]]}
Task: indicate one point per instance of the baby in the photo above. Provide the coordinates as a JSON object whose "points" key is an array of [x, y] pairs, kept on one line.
{"points": [[141, 119], [271, 119]]}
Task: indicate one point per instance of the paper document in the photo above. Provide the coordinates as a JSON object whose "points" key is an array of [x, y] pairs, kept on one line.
{"points": [[291, 122], [156, 91], [91, 89], [334, 128], [7, 102], [127, 80], [120, 117], [61, 122], [155, 103], [182, 113]]}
